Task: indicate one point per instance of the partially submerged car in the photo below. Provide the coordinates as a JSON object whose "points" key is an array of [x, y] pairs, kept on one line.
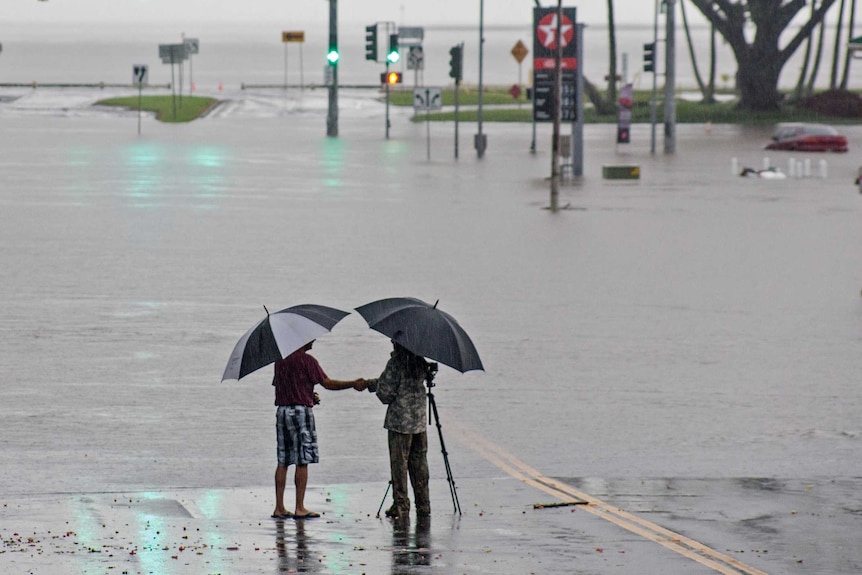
{"points": [[807, 138]]}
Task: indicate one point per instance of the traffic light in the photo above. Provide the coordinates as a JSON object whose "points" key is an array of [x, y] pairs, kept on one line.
{"points": [[332, 56], [455, 62], [392, 56], [649, 57], [391, 78], [371, 42]]}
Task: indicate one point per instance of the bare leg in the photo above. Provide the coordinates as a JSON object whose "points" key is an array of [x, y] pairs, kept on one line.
{"points": [[300, 480], [280, 482]]}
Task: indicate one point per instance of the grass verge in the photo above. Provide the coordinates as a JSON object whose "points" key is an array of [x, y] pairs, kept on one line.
{"points": [[687, 112], [192, 108]]}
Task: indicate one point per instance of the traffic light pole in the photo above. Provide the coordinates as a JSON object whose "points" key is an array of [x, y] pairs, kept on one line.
{"points": [[456, 71], [387, 99], [670, 79], [653, 103], [332, 115], [480, 138]]}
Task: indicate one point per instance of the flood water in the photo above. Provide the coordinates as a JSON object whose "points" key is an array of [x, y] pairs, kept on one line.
{"points": [[689, 324]]}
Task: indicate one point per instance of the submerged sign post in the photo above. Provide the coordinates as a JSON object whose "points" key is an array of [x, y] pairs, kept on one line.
{"points": [[173, 54], [140, 74], [193, 46], [428, 99], [290, 37]]}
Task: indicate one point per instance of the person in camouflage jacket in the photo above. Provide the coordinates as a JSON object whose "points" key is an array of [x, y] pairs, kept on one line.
{"points": [[401, 387]]}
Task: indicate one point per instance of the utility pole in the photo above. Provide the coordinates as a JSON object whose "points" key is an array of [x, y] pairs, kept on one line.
{"points": [[670, 79], [480, 139], [578, 126], [332, 115], [557, 111]]}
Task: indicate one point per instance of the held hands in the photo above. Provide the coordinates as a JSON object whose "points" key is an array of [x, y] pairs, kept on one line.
{"points": [[360, 384]]}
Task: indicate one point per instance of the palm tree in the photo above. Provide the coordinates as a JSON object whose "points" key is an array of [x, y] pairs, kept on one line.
{"points": [[707, 90], [803, 73], [836, 52], [612, 66], [848, 54], [809, 89]]}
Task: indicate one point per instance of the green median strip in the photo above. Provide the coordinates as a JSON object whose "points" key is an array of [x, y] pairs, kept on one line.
{"points": [[192, 107]]}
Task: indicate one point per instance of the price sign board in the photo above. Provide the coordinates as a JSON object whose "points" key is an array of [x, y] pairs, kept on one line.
{"points": [[549, 35]]}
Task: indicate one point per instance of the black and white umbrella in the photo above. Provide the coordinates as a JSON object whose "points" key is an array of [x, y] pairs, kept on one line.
{"points": [[278, 335], [423, 329]]}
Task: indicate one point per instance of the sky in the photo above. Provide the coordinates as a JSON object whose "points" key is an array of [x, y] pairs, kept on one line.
{"points": [[403, 12]]}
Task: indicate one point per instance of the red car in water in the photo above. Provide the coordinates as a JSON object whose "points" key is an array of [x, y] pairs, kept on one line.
{"points": [[807, 138]]}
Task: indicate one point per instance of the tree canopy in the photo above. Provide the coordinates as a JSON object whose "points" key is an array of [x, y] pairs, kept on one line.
{"points": [[759, 55]]}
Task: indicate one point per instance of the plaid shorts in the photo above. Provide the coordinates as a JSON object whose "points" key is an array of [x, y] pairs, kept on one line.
{"points": [[297, 435]]}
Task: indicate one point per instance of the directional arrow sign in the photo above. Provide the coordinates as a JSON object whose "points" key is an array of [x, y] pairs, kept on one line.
{"points": [[140, 74], [425, 99]]}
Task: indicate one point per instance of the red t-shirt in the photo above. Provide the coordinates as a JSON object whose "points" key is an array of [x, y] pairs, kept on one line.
{"points": [[295, 378]]}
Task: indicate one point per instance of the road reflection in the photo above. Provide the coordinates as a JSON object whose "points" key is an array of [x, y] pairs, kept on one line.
{"points": [[296, 558], [411, 549]]}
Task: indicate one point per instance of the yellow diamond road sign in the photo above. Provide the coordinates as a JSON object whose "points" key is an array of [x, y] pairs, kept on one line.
{"points": [[519, 51]]}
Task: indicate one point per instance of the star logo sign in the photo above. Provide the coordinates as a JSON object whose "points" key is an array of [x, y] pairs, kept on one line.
{"points": [[547, 31]]}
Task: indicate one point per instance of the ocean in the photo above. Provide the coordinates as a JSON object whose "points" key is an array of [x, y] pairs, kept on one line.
{"points": [[252, 54]]}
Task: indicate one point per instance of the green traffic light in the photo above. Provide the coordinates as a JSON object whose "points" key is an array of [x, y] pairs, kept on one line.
{"points": [[332, 56]]}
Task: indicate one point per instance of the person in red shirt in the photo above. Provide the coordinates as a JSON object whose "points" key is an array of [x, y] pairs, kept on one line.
{"points": [[294, 380]]}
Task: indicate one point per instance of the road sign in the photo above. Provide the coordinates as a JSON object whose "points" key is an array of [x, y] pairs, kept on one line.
{"points": [[519, 51], [411, 35], [545, 43], [295, 36], [425, 99], [193, 45], [415, 58], [140, 74], [173, 53]]}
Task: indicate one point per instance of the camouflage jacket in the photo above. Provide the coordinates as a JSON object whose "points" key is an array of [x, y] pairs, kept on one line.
{"points": [[404, 394]]}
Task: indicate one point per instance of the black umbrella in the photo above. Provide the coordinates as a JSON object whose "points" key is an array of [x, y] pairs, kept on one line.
{"points": [[424, 330], [278, 335]]}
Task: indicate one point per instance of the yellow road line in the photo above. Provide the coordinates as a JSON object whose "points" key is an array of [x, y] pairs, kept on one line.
{"points": [[676, 542]]}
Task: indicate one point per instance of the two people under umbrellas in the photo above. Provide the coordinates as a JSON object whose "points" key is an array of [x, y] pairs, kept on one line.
{"points": [[417, 330], [400, 386]]}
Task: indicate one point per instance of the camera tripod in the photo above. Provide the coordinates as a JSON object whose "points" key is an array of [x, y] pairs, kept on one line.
{"points": [[432, 407]]}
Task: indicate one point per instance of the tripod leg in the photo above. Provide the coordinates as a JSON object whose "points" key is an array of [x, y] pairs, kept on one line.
{"points": [[453, 491], [388, 487]]}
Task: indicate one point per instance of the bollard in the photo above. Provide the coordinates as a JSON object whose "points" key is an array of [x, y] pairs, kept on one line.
{"points": [[807, 167], [791, 168], [734, 166], [823, 169], [766, 163]]}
